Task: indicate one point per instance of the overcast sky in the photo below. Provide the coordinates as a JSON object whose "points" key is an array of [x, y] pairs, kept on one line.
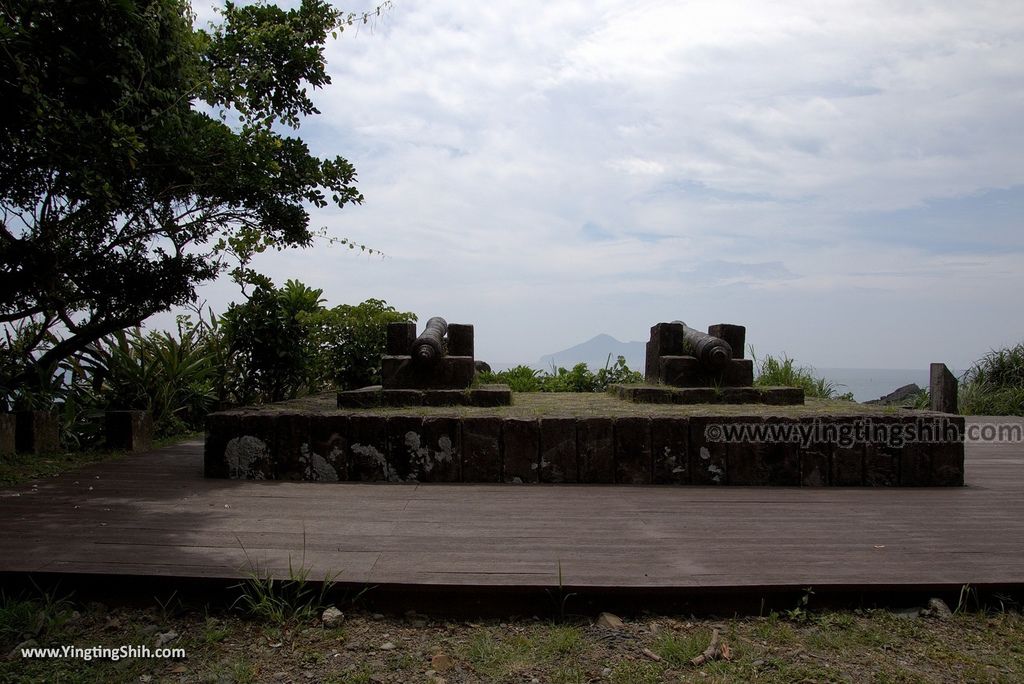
{"points": [[845, 179]]}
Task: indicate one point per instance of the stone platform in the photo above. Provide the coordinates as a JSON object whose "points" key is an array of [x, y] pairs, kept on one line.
{"points": [[589, 438], [376, 396], [665, 394]]}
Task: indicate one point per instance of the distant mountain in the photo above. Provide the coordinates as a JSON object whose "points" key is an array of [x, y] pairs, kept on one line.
{"points": [[594, 353]]}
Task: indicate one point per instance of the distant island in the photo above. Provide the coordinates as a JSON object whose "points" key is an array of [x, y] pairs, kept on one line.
{"points": [[594, 352]]}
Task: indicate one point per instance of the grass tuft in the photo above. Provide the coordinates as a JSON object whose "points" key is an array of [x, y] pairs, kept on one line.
{"points": [[280, 601], [783, 372]]}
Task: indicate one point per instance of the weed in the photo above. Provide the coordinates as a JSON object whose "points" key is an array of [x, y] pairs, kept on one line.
{"points": [[169, 607], [635, 672], [24, 618], [800, 613], [359, 675], [500, 659], [561, 641], [214, 631], [967, 594], [559, 596], [569, 674], [279, 601], [243, 672], [678, 649]]}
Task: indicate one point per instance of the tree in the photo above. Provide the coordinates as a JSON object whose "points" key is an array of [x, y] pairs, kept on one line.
{"points": [[138, 152], [271, 342]]}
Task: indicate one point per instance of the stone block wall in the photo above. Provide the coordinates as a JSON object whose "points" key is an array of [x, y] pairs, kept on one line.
{"points": [[925, 450]]}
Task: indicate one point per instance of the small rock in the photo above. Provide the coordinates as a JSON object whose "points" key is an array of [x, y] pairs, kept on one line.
{"points": [[610, 621], [909, 614], [377, 616], [165, 638], [438, 680], [606, 672], [332, 617], [441, 663], [387, 646], [937, 608]]}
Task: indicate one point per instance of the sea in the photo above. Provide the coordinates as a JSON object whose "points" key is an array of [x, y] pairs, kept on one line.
{"points": [[872, 383]]}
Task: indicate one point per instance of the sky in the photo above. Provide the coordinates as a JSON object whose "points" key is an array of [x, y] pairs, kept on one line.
{"points": [[845, 179]]}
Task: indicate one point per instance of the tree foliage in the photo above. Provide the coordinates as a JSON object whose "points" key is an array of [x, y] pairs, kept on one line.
{"points": [[138, 151]]}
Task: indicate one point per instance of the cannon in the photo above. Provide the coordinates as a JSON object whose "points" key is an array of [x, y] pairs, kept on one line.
{"points": [[429, 347], [681, 356], [436, 368], [713, 352]]}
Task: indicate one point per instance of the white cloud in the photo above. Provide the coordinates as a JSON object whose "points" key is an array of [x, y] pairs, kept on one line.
{"points": [[486, 135]]}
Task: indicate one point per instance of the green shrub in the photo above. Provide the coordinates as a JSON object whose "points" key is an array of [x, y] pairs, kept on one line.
{"points": [[577, 379], [353, 338], [519, 379], [271, 342]]}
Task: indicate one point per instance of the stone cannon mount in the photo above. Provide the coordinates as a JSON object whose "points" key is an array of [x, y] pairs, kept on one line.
{"points": [[687, 366], [436, 368]]}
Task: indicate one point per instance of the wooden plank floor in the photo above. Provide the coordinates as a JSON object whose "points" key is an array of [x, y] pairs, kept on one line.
{"points": [[155, 515]]}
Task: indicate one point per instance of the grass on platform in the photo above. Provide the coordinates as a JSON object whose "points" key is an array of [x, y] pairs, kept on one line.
{"points": [[590, 404]]}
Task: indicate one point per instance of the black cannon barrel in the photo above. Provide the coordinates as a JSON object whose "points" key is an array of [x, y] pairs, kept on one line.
{"points": [[713, 352], [429, 346]]}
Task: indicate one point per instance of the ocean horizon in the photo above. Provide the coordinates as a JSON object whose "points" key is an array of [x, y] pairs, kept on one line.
{"points": [[873, 383]]}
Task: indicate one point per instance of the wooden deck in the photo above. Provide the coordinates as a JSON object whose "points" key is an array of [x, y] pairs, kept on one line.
{"points": [[155, 515]]}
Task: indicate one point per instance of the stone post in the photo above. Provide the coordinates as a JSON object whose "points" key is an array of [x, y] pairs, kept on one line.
{"points": [[943, 387], [128, 430], [36, 432]]}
